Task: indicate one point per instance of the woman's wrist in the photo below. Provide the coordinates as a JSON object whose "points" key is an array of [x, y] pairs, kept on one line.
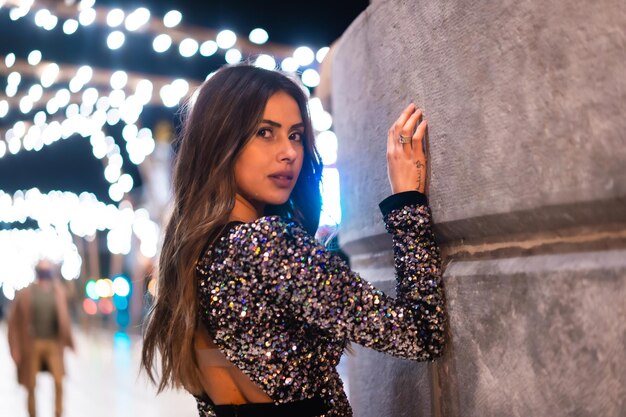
{"points": [[402, 199]]}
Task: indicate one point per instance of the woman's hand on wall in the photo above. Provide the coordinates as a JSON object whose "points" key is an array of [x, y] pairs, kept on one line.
{"points": [[406, 161]]}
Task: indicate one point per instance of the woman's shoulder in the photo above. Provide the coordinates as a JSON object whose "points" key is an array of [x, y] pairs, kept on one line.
{"points": [[266, 229], [265, 234]]}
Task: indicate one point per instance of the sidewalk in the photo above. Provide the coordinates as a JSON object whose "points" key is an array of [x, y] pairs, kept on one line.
{"points": [[102, 380]]}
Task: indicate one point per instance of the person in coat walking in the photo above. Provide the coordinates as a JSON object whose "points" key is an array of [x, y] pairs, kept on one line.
{"points": [[39, 331]]}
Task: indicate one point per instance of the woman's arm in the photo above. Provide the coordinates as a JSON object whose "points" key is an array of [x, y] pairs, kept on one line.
{"points": [[316, 287]]}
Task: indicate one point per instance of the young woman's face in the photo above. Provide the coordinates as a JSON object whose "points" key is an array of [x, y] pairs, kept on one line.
{"points": [[268, 166]]}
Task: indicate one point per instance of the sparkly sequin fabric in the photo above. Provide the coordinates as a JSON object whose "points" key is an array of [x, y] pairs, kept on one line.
{"points": [[282, 308]]}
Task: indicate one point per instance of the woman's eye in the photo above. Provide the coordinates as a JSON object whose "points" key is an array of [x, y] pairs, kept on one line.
{"points": [[297, 136], [264, 133]]}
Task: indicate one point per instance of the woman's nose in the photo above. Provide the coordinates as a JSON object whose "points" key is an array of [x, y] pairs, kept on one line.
{"points": [[287, 150]]}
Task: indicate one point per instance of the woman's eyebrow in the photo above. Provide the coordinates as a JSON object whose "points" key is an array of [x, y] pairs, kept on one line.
{"points": [[276, 124]]}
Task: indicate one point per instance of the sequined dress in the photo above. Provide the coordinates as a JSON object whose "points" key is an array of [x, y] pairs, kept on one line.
{"points": [[282, 308]]}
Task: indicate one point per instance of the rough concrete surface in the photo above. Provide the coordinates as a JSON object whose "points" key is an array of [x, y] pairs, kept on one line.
{"points": [[402, 388], [527, 152], [536, 336], [523, 98]]}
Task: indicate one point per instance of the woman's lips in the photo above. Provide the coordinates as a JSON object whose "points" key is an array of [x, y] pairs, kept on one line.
{"points": [[282, 181]]}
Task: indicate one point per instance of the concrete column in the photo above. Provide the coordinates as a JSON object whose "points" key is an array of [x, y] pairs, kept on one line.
{"points": [[527, 151]]}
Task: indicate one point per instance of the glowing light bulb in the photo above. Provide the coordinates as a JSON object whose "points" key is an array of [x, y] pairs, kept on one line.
{"points": [[162, 43], [304, 55], [34, 57], [49, 75], [119, 80], [289, 64], [232, 56], [35, 92], [137, 19], [14, 78], [116, 39], [4, 108], [41, 17], [310, 78], [208, 48], [188, 47], [258, 36], [181, 87], [321, 54], [26, 104], [226, 39], [115, 17], [172, 18], [9, 60], [87, 16], [70, 26], [265, 61]]}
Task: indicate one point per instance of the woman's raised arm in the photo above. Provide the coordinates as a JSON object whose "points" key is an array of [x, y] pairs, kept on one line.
{"points": [[293, 271]]}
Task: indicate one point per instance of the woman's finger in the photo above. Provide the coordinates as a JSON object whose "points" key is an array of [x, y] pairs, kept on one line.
{"points": [[391, 143], [394, 131], [404, 116], [409, 126], [418, 138]]}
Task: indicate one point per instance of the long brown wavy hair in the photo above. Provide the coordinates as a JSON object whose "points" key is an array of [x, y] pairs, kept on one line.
{"points": [[227, 112]]}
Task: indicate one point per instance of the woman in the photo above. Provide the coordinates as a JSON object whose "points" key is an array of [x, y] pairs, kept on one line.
{"points": [[251, 313]]}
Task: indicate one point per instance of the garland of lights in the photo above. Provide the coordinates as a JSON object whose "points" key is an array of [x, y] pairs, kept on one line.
{"points": [[89, 118], [60, 215], [21, 249], [82, 215], [141, 20]]}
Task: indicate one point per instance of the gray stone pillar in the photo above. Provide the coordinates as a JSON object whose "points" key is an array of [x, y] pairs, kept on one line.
{"points": [[527, 149]]}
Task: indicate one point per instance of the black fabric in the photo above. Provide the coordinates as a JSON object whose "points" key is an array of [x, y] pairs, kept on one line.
{"points": [[399, 200], [312, 407]]}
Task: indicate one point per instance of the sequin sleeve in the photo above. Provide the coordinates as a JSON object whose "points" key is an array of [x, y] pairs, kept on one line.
{"points": [[296, 273]]}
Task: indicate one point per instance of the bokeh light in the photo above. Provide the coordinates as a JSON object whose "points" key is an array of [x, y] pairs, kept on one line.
{"points": [[162, 43], [104, 288], [70, 26], [172, 18], [105, 305], [90, 307], [233, 56], [226, 39], [115, 40], [188, 47], [208, 48], [121, 286], [137, 19], [258, 36], [90, 290], [304, 55], [115, 17]]}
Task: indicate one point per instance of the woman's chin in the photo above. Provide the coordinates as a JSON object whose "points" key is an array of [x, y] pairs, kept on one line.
{"points": [[277, 200]]}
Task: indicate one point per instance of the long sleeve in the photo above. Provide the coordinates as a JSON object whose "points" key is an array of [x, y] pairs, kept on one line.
{"points": [[317, 288]]}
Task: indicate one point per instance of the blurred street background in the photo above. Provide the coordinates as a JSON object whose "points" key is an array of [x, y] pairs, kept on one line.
{"points": [[91, 94]]}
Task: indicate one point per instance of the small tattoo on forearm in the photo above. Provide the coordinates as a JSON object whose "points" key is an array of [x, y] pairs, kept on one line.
{"points": [[419, 167]]}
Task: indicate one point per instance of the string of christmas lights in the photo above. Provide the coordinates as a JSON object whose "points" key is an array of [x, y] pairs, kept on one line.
{"points": [[191, 41]]}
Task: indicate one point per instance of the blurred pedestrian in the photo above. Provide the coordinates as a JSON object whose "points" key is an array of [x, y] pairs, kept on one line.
{"points": [[39, 330]]}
